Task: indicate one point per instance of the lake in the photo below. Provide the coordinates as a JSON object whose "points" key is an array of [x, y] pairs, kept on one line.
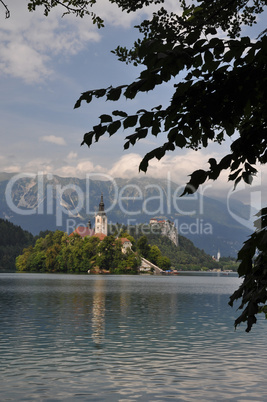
{"points": [[127, 338]]}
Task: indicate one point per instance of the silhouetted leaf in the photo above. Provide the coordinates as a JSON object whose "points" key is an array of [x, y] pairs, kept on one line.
{"points": [[99, 93], [119, 113], [180, 141], [114, 127], [130, 121], [146, 119], [88, 138], [105, 118], [99, 131], [86, 96], [115, 93]]}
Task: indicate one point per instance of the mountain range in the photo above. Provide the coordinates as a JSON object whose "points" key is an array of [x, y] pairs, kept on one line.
{"points": [[48, 202]]}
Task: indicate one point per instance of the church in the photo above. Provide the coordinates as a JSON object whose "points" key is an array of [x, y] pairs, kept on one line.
{"points": [[101, 224]]}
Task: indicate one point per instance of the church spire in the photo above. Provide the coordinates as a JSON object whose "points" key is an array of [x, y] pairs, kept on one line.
{"points": [[101, 224], [101, 205]]}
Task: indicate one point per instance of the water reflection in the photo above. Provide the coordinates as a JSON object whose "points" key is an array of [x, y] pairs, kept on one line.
{"points": [[126, 338], [98, 313]]}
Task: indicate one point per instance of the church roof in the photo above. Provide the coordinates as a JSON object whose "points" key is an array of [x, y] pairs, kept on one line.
{"points": [[83, 231], [101, 236], [124, 240]]}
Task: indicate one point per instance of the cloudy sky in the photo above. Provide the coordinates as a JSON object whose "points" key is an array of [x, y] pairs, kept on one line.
{"points": [[45, 63]]}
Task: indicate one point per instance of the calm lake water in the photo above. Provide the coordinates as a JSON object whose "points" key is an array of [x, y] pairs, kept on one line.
{"points": [[126, 338]]}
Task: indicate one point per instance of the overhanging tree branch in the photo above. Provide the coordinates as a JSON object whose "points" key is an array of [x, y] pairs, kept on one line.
{"points": [[6, 8], [223, 92]]}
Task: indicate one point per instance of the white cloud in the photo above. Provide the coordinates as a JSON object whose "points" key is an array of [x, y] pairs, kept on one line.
{"points": [[53, 139], [79, 170], [179, 166], [126, 167], [11, 168], [72, 155], [22, 61], [174, 168], [71, 169], [36, 165], [28, 41], [30, 166]]}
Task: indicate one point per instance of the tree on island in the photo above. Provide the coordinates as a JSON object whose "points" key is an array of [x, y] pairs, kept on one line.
{"points": [[220, 90], [58, 252]]}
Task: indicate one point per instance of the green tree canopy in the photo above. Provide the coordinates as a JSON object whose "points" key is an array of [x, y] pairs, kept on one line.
{"points": [[154, 254], [57, 252], [143, 246], [13, 239]]}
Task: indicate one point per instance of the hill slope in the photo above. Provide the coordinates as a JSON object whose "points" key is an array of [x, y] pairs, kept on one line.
{"points": [[13, 239], [184, 256]]}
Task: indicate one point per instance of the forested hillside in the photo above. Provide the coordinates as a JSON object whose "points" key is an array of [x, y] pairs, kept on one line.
{"points": [[185, 256], [13, 239]]}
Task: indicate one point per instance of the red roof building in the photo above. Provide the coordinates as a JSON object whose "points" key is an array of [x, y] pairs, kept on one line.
{"points": [[125, 243], [101, 236], [83, 231]]}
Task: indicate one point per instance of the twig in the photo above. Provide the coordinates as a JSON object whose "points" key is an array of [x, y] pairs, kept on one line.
{"points": [[7, 9]]}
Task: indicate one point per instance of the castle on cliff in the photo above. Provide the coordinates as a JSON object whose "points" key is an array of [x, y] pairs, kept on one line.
{"points": [[166, 228]]}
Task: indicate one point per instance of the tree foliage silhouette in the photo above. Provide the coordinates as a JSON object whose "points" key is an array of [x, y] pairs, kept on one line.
{"points": [[220, 90]]}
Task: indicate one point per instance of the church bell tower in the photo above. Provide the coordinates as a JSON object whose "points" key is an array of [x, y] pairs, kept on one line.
{"points": [[101, 222]]}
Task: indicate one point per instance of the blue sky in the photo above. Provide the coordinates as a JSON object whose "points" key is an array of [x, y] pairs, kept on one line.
{"points": [[45, 63]]}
